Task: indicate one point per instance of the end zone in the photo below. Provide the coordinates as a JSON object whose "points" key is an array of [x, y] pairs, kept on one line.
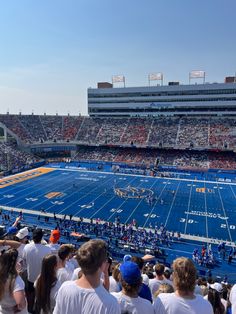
{"points": [[20, 177]]}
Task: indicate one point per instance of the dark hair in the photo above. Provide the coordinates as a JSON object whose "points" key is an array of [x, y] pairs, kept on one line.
{"points": [[91, 255], [64, 251], [8, 270], [214, 299], [131, 289], [167, 274], [46, 280], [37, 235]]}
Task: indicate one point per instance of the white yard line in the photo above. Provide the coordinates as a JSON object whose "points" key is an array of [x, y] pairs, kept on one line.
{"points": [[226, 220], [167, 218], [189, 201]]}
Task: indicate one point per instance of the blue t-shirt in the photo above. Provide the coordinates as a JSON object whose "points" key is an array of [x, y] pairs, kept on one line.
{"points": [[145, 292]]}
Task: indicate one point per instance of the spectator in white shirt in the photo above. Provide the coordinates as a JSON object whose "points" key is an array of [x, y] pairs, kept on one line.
{"points": [[63, 273], [128, 298], [87, 294], [183, 300], [12, 293], [33, 255], [155, 283], [47, 285]]}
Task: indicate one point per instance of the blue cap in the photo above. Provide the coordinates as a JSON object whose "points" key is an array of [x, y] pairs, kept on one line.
{"points": [[130, 272], [127, 258], [12, 230]]}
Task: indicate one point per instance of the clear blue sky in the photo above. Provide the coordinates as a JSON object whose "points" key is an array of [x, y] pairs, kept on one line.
{"points": [[53, 50]]}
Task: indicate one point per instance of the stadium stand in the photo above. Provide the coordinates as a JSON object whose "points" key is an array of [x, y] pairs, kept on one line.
{"points": [[182, 142], [170, 132], [12, 158]]}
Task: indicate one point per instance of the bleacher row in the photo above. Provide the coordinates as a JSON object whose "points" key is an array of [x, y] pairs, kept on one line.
{"points": [[169, 132]]}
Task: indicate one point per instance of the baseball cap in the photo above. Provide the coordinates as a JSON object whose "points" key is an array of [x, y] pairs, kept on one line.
{"points": [[22, 233], [217, 286], [130, 272], [127, 258], [12, 230], [55, 236]]}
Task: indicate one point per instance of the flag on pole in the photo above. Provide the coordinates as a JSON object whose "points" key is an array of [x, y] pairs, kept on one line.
{"points": [[197, 74], [118, 78], [155, 76]]}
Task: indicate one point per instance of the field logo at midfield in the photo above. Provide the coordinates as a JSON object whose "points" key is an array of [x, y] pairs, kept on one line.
{"points": [[204, 190], [20, 177], [54, 195]]}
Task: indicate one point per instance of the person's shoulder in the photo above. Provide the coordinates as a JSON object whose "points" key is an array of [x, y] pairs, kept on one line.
{"points": [[202, 299], [68, 285], [109, 296], [167, 295], [19, 284], [153, 280], [145, 302], [117, 295], [29, 245], [205, 303], [45, 247]]}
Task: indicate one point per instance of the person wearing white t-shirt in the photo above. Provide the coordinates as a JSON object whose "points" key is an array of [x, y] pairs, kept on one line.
{"points": [[87, 294], [183, 300], [63, 274], [155, 283], [22, 235], [12, 287], [128, 298], [33, 255]]}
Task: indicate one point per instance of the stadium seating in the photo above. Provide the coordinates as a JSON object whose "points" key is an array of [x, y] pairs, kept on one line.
{"points": [[182, 141]]}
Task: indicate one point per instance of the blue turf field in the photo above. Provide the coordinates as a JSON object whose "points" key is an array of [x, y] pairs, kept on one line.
{"points": [[201, 208]]}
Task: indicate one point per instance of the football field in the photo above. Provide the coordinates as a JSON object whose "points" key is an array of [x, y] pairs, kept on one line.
{"points": [[189, 206]]}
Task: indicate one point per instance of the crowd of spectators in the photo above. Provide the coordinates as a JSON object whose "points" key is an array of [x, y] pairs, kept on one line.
{"points": [[12, 158], [164, 132], [39, 276], [223, 133], [112, 130], [150, 157], [187, 135], [175, 132], [193, 132], [71, 126], [52, 126], [12, 122], [33, 126], [89, 130], [137, 131]]}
